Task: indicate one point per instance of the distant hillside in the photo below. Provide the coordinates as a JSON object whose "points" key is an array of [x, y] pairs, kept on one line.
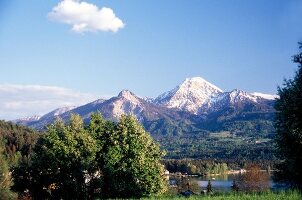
{"points": [[193, 109]]}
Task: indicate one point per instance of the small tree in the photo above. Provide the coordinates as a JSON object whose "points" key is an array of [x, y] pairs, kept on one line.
{"points": [[209, 187], [253, 180], [288, 124], [131, 162]]}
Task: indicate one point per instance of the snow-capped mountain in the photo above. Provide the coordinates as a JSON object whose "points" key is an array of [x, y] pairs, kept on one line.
{"points": [[126, 102], [193, 106], [189, 96]]}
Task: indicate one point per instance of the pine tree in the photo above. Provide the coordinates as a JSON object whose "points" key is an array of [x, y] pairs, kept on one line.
{"points": [[288, 125], [209, 187]]}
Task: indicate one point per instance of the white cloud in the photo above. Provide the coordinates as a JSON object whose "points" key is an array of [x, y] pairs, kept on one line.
{"points": [[85, 17], [18, 101]]}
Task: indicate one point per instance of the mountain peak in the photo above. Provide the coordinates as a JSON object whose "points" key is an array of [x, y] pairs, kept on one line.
{"points": [[189, 95], [126, 94], [129, 96], [199, 82]]}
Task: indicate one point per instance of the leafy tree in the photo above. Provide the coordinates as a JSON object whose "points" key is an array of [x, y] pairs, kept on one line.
{"points": [[254, 180], [288, 125], [62, 164], [5, 178], [128, 158]]}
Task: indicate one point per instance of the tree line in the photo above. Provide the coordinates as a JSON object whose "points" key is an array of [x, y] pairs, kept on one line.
{"points": [[100, 160]]}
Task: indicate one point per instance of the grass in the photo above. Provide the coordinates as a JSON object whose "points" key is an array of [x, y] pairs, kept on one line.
{"points": [[282, 195]]}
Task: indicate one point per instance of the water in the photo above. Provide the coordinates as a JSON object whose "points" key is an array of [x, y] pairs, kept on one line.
{"points": [[224, 183]]}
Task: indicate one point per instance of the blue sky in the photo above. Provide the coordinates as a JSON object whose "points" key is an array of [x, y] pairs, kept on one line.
{"points": [[233, 44]]}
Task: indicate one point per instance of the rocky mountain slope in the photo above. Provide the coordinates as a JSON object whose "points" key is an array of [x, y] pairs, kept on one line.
{"points": [[194, 106]]}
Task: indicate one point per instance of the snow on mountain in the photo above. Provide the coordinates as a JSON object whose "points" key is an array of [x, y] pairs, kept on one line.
{"points": [[26, 120], [32, 118], [265, 96], [235, 98], [58, 111], [62, 110], [190, 95], [98, 101], [126, 103], [192, 101], [128, 95]]}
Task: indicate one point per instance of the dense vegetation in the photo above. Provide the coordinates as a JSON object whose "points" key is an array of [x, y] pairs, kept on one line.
{"points": [[74, 161], [211, 167], [221, 145], [201, 167], [16, 143], [289, 127], [102, 159]]}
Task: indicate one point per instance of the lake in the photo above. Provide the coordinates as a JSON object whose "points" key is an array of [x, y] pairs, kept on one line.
{"points": [[224, 183]]}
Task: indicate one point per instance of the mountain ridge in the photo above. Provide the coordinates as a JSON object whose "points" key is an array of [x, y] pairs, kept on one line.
{"points": [[194, 105]]}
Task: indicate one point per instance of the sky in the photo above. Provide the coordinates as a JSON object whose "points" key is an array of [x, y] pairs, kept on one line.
{"points": [[59, 53]]}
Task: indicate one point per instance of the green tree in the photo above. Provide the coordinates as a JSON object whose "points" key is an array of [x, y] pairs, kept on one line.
{"points": [[129, 159], [62, 165], [209, 187], [5, 178], [288, 125]]}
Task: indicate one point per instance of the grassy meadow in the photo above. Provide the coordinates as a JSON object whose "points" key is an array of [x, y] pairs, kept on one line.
{"points": [[281, 195]]}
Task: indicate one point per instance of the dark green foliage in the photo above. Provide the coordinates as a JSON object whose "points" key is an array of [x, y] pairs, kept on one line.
{"points": [[209, 187], [288, 124], [16, 144], [128, 159], [210, 167], [102, 160], [200, 167], [222, 145], [5, 178], [62, 160], [19, 141]]}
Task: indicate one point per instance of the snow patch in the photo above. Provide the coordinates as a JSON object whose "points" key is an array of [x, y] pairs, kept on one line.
{"points": [[265, 96]]}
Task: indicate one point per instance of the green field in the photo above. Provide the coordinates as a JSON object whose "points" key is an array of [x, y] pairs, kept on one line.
{"points": [[290, 195]]}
